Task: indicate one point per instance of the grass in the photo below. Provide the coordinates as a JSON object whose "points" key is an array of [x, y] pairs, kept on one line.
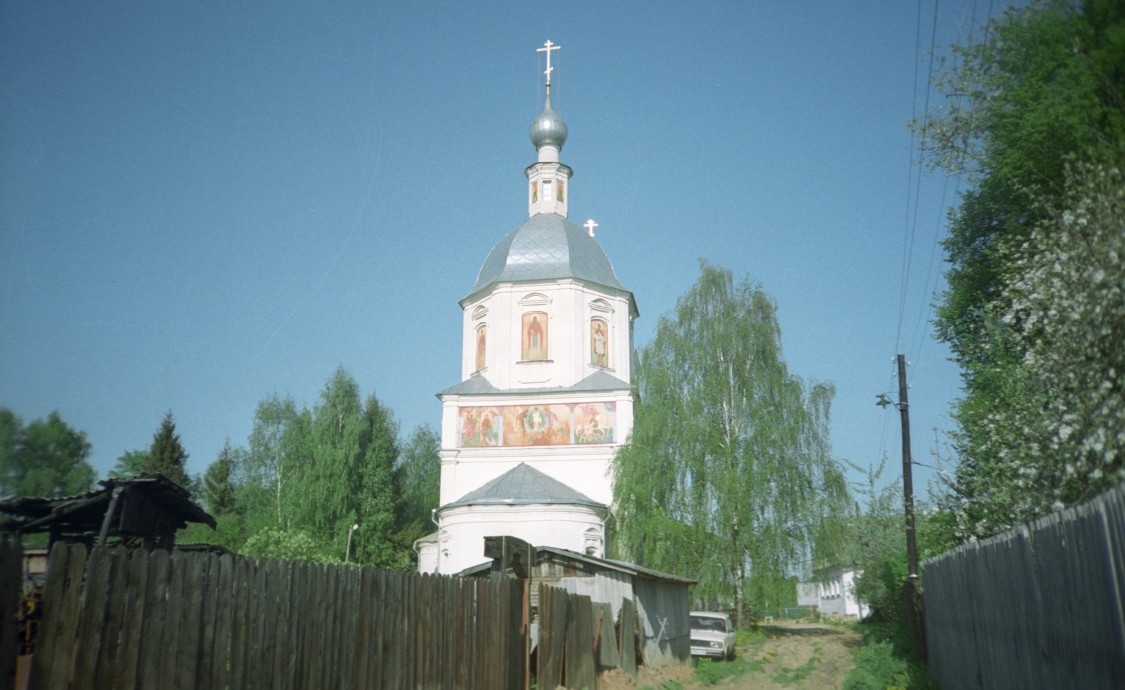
{"points": [[711, 672], [754, 657]]}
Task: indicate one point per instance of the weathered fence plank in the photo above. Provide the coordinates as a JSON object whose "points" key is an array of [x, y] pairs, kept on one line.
{"points": [[51, 665], [607, 654], [224, 618], [627, 637], [580, 670], [11, 580]]}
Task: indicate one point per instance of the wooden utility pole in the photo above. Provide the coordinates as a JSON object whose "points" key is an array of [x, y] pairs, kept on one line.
{"points": [[912, 591]]}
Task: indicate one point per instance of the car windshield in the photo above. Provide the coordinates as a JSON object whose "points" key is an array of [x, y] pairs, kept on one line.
{"points": [[701, 623]]}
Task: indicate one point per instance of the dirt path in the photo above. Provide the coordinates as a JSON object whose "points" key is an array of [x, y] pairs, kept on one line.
{"points": [[794, 656]]}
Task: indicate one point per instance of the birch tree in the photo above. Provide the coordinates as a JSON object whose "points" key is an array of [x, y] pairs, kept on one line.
{"points": [[278, 446], [728, 471]]}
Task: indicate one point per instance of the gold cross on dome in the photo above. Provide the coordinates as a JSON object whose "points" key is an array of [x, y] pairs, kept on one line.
{"points": [[590, 225], [547, 48]]}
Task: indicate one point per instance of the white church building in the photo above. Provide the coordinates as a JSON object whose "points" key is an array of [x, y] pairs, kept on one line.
{"points": [[529, 434]]}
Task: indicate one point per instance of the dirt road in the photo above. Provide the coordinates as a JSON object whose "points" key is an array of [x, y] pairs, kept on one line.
{"points": [[788, 655]]}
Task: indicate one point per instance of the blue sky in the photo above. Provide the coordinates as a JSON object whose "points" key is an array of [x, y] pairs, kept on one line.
{"points": [[206, 203]]}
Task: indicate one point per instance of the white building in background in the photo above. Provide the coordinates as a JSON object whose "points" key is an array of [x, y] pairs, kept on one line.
{"points": [[833, 594], [529, 435]]}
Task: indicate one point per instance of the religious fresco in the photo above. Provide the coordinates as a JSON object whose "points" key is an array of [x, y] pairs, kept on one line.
{"points": [[537, 425], [599, 343], [480, 427], [482, 342], [534, 336], [594, 422]]}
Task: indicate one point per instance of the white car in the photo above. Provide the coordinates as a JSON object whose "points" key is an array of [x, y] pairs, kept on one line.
{"points": [[712, 635]]}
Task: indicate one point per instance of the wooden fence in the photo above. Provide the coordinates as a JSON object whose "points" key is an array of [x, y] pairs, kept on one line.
{"points": [[1042, 606], [127, 619], [578, 638], [11, 576]]}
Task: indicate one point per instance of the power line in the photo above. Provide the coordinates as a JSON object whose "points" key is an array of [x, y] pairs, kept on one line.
{"points": [[912, 217]]}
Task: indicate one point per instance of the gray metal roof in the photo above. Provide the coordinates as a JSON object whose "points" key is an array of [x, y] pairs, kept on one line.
{"points": [[546, 246], [597, 382], [524, 485]]}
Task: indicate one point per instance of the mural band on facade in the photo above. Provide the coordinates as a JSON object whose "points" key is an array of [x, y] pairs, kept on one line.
{"points": [[537, 425]]}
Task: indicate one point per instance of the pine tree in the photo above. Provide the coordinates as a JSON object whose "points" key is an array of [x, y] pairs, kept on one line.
{"points": [[167, 456], [218, 489]]}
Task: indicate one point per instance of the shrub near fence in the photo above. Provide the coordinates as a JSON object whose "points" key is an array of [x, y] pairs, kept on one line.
{"points": [[1042, 606], [132, 619]]}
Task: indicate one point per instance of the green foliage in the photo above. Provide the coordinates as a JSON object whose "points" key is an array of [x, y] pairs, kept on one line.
{"points": [[130, 464], [1033, 313], [315, 474], [888, 660], [218, 489], [288, 545], [712, 672], [770, 593], [308, 476], [874, 542], [279, 445], [876, 668], [1058, 437], [44, 459], [727, 472], [419, 476], [167, 456], [228, 533]]}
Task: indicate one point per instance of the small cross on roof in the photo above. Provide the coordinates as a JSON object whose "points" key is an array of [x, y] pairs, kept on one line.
{"points": [[590, 225]]}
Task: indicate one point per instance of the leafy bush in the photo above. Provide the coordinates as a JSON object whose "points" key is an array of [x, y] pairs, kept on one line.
{"points": [[877, 668], [887, 661], [289, 545]]}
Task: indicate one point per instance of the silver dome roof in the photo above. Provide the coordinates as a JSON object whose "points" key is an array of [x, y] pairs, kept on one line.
{"points": [[548, 127], [546, 247]]}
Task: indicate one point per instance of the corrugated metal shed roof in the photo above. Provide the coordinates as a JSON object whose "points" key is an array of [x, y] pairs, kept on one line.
{"points": [[604, 563]]}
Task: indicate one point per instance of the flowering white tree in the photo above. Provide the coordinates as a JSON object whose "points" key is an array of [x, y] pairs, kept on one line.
{"points": [[1058, 433]]}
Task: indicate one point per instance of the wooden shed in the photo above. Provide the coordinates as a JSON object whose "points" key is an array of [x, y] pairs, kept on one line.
{"points": [[661, 600], [140, 511]]}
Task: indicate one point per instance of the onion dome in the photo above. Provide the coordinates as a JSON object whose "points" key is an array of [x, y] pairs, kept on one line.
{"points": [[548, 128]]}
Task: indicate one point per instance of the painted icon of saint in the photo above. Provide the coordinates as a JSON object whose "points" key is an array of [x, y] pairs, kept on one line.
{"points": [[481, 344], [534, 336], [599, 344]]}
